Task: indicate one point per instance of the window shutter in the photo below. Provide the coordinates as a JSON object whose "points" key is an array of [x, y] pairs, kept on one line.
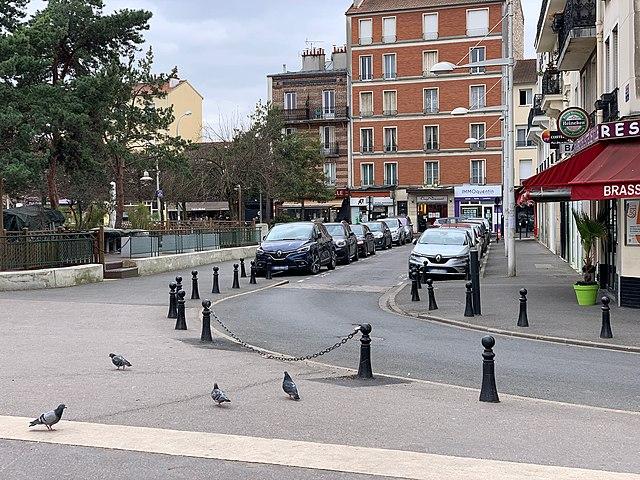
{"points": [[477, 22], [430, 27]]}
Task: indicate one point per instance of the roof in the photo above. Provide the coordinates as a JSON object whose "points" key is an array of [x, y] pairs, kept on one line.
{"points": [[166, 87], [372, 6], [525, 71]]}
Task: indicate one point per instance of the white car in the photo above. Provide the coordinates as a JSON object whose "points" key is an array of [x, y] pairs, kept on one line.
{"points": [[445, 251]]}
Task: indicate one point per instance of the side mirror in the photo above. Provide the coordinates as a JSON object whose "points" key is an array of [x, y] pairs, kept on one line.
{"points": [[264, 238], [415, 242]]}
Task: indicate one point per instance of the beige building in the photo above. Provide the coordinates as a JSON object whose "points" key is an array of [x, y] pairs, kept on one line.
{"points": [[184, 98], [525, 79]]}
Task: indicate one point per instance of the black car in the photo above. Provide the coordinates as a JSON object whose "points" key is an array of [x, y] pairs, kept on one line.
{"points": [[345, 241], [296, 246], [366, 241], [381, 234]]}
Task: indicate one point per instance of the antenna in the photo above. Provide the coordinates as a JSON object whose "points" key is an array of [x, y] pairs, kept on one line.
{"points": [[310, 43]]}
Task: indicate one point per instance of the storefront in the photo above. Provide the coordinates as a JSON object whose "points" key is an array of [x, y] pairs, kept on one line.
{"points": [[368, 206], [426, 205], [326, 211], [479, 201]]}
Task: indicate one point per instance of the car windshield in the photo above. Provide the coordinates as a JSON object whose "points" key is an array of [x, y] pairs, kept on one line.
{"points": [[357, 229], [391, 223], [290, 231], [375, 227], [443, 236], [335, 230]]}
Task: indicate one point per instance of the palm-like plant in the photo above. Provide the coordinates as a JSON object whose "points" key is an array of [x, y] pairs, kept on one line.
{"points": [[590, 229]]}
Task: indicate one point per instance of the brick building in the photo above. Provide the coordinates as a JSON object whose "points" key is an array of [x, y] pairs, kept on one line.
{"points": [[410, 153], [314, 100]]}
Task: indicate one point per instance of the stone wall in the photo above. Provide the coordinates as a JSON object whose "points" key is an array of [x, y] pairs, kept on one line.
{"points": [[50, 277]]}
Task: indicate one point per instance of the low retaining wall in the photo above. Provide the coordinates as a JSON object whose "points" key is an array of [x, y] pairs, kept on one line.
{"points": [[180, 261], [50, 277]]}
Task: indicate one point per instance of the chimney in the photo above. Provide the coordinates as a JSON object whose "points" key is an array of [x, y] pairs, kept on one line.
{"points": [[339, 58], [313, 59], [173, 82]]}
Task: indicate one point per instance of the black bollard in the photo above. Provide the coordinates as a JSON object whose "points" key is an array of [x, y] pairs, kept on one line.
{"points": [[605, 331], [432, 296], [424, 271], [489, 392], [415, 296], [252, 278], [178, 283], [195, 293], [181, 321], [418, 276], [205, 336], [267, 274], [216, 284], [243, 272], [236, 283], [173, 306], [364, 369], [523, 320], [468, 308], [474, 276]]}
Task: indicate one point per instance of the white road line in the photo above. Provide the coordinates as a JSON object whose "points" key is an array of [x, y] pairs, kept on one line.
{"points": [[310, 455]]}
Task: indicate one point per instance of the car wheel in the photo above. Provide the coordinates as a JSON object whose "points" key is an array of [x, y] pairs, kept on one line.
{"points": [[315, 264], [332, 261]]}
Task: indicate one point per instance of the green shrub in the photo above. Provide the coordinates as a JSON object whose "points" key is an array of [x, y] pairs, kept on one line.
{"points": [[139, 217]]}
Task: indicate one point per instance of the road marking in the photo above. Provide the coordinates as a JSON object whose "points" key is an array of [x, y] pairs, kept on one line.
{"points": [[300, 281], [338, 288], [292, 453]]}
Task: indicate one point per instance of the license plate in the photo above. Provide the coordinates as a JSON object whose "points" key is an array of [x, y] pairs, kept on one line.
{"points": [[438, 270], [279, 267]]}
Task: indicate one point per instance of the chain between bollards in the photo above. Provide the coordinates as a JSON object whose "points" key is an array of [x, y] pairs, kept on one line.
{"points": [[243, 272], [605, 331], [364, 368], [432, 296], [523, 319], [488, 392], [252, 279], [468, 307], [195, 293], [173, 305], [205, 336], [181, 321], [216, 283]]}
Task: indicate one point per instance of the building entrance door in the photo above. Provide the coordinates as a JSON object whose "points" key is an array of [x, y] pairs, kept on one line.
{"points": [[608, 271]]}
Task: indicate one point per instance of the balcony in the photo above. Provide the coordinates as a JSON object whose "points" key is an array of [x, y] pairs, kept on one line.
{"points": [[536, 110], [330, 149], [366, 113], [576, 29], [390, 113], [366, 149], [388, 38], [552, 100], [318, 113], [608, 103], [431, 109], [432, 146], [474, 147], [365, 40], [390, 75], [391, 147]]}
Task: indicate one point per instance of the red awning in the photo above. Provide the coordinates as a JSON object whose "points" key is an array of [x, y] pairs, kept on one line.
{"points": [[615, 173]]}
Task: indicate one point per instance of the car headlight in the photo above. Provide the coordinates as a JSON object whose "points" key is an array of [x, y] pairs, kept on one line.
{"points": [[304, 248], [360, 242], [341, 243]]}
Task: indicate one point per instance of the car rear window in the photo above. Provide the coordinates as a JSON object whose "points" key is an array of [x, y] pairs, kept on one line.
{"points": [[335, 230]]}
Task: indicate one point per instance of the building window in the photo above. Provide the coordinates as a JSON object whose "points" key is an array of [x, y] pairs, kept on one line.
{"points": [[476, 54], [290, 100], [328, 103], [430, 100], [389, 29], [477, 96], [614, 59], [366, 171], [328, 140], [430, 26], [366, 67], [389, 102], [429, 59], [525, 169], [526, 97], [330, 173], [366, 32], [366, 104], [366, 140], [476, 130], [431, 137], [389, 66], [477, 22], [477, 172], [290, 130], [391, 173], [431, 173], [390, 139], [521, 137]]}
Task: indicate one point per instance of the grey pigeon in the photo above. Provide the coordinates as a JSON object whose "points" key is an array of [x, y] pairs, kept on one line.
{"points": [[218, 395], [289, 387], [50, 418], [119, 361]]}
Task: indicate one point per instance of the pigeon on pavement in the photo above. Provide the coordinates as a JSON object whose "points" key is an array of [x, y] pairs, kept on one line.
{"points": [[218, 395], [50, 418], [119, 361], [289, 387]]}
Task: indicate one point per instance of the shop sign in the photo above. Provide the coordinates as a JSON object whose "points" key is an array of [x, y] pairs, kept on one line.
{"points": [[432, 199], [613, 130], [377, 201], [586, 140], [553, 136], [632, 218], [342, 192], [573, 122], [474, 191]]}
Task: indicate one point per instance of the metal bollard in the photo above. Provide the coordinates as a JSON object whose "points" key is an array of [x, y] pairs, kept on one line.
{"points": [[205, 336], [424, 271], [488, 392], [468, 308], [181, 321], [474, 272], [418, 276], [178, 283], [523, 320], [415, 296], [252, 278], [236, 283], [267, 274], [216, 283], [364, 369], [605, 331], [432, 296], [173, 306], [243, 272], [195, 293]]}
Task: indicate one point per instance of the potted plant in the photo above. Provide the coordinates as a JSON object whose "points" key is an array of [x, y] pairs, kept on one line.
{"points": [[590, 229]]}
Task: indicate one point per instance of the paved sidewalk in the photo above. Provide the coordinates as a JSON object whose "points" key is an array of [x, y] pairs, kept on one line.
{"points": [[552, 307]]}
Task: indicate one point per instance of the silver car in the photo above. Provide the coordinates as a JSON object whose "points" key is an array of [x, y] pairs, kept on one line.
{"points": [[398, 235], [445, 251]]}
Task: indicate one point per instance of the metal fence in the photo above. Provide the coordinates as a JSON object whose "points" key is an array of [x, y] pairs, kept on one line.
{"points": [[30, 250]]}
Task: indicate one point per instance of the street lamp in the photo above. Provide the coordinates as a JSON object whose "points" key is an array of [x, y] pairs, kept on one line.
{"points": [[185, 114], [238, 188]]}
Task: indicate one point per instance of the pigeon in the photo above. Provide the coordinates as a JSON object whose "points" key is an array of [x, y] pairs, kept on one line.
{"points": [[119, 361], [289, 387], [50, 418], [218, 395]]}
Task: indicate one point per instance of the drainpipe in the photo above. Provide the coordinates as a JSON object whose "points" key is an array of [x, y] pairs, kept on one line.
{"points": [[601, 68]]}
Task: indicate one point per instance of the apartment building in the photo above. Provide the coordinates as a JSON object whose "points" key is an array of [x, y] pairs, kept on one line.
{"points": [[315, 100], [585, 122], [187, 109], [412, 152]]}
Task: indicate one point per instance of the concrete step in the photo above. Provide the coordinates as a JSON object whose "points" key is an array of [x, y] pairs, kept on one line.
{"points": [[122, 272], [113, 265]]}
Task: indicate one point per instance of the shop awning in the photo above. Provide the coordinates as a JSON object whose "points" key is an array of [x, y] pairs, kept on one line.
{"points": [[311, 204], [615, 173]]}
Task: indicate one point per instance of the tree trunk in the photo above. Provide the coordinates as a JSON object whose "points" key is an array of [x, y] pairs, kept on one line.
{"points": [[54, 198], [119, 192], [268, 206], [302, 210]]}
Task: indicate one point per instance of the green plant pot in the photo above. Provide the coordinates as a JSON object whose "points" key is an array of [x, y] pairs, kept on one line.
{"points": [[586, 294]]}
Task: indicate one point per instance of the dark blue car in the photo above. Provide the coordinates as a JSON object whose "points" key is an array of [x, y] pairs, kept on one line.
{"points": [[303, 246]]}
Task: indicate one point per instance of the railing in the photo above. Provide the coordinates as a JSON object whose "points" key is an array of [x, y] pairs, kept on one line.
{"points": [[431, 109], [608, 103], [388, 38], [481, 145], [524, 143], [577, 15], [366, 40], [593, 118], [389, 113], [366, 113], [391, 148], [27, 251], [366, 148], [536, 109], [551, 81], [431, 146], [332, 148], [318, 113], [295, 114]]}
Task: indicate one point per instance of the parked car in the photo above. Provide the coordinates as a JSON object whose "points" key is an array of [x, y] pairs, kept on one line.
{"points": [[486, 233], [408, 228], [296, 246], [381, 234], [345, 241], [366, 241], [477, 238], [446, 251], [398, 235]]}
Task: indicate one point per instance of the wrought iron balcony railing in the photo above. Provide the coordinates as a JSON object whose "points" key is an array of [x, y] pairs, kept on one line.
{"points": [[578, 19], [551, 81]]}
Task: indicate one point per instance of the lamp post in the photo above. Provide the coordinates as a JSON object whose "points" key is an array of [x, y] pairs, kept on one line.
{"points": [[185, 114], [239, 190]]}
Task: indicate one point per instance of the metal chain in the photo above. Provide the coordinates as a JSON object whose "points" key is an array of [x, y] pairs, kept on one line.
{"points": [[284, 358]]}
